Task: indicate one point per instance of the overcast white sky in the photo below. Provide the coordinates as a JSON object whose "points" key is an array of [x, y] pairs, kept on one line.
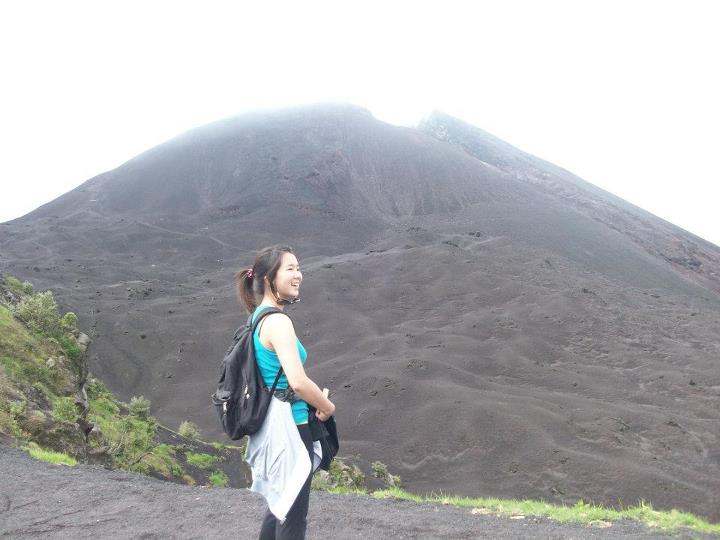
{"points": [[624, 94]]}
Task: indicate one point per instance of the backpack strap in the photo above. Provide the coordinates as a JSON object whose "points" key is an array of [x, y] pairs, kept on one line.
{"points": [[249, 323]]}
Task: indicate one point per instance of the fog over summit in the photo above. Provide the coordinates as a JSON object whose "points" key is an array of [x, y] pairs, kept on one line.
{"points": [[491, 323]]}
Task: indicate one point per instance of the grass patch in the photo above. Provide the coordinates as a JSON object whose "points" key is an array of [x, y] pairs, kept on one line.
{"points": [[222, 446], [162, 460], [343, 490], [219, 446], [201, 461], [24, 355], [57, 458], [16, 286], [103, 406], [581, 512], [218, 479], [29, 372]]}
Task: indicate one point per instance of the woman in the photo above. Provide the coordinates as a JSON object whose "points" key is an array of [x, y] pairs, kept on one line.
{"points": [[275, 275]]}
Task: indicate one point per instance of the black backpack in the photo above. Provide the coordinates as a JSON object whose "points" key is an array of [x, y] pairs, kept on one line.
{"points": [[242, 399]]}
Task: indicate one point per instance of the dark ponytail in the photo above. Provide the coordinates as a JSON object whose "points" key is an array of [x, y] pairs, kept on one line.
{"points": [[249, 287]]}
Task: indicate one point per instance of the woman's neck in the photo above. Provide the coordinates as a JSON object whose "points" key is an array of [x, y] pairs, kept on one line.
{"points": [[270, 302]]}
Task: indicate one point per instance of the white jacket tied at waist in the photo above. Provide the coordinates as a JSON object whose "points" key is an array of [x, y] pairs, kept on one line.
{"points": [[279, 460]]}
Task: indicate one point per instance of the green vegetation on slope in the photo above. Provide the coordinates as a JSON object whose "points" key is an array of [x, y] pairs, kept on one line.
{"points": [[54, 409], [202, 461], [218, 479], [581, 512], [58, 458]]}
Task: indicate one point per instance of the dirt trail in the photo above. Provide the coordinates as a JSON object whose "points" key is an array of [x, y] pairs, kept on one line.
{"points": [[42, 500]]}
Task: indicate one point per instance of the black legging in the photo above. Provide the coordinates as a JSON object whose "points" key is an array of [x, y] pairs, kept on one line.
{"points": [[296, 520]]}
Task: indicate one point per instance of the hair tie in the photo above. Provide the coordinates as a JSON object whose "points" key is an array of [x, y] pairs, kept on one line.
{"points": [[250, 273]]}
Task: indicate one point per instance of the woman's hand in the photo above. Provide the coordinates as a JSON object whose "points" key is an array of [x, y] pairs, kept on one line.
{"points": [[324, 415]]}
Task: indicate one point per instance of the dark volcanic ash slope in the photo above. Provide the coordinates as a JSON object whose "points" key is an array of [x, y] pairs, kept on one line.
{"points": [[690, 255], [492, 325]]}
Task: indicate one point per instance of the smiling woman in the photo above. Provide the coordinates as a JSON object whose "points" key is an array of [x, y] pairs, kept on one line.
{"points": [[275, 275]]}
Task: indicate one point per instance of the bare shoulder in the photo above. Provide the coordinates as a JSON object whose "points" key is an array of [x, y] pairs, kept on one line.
{"points": [[278, 324]]}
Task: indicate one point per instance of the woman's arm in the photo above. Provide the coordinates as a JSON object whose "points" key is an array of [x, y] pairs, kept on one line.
{"points": [[282, 337]]}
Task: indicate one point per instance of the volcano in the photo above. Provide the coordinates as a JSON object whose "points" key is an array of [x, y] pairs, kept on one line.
{"points": [[491, 324]]}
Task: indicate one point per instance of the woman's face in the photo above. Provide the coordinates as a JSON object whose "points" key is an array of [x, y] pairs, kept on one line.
{"points": [[288, 277]]}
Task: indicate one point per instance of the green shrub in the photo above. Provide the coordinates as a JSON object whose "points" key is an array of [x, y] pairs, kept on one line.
{"points": [[95, 388], [162, 459], [189, 430], [16, 411], [64, 410], [128, 437], [17, 408], [77, 361], [345, 475], [176, 470], [218, 479], [140, 407], [201, 461], [71, 348], [380, 471], [39, 312], [68, 322], [341, 478]]}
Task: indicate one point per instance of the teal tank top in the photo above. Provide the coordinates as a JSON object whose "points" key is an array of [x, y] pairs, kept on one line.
{"points": [[269, 365]]}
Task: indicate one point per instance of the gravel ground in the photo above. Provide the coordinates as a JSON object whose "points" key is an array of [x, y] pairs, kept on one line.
{"points": [[38, 499]]}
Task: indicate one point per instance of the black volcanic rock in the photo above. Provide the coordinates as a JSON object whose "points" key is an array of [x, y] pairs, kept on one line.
{"points": [[492, 325]]}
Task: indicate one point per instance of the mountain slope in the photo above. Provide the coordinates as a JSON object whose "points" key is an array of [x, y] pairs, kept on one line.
{"points": [[689, 254], [492, 325]]}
